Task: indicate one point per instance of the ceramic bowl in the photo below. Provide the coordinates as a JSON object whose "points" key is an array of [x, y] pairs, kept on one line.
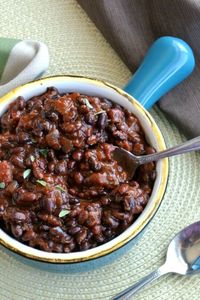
{"points": [[153, 135]]}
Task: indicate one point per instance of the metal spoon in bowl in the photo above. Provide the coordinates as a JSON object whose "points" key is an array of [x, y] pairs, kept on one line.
{"points": [[183, 257], [130, 162]]}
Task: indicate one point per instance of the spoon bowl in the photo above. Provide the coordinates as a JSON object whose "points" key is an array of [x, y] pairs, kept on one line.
{"points": [[185, 250], [183, 257], [130, 162]]}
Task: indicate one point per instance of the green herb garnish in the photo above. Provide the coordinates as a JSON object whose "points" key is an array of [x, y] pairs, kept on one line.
{"points": [[44, 152], [42, 182], [99, 112], [58, 187], [26, 173], [32, 158], [2, 185], [63, 213], [87, 103]]}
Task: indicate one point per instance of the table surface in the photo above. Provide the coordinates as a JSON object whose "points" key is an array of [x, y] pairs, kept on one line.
{"points": [[77, 47]]}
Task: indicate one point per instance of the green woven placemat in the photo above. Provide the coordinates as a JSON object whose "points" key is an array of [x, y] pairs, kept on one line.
{"points": [[77, 47]]}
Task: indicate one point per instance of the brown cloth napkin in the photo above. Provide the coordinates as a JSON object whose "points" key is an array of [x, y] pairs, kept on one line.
{"points": [[131, 26]]}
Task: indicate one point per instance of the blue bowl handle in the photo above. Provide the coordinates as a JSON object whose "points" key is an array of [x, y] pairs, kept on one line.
{"points": [[169, 61]]}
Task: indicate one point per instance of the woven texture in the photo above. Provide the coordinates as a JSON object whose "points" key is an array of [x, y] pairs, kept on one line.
{"points": [[77, 47]]}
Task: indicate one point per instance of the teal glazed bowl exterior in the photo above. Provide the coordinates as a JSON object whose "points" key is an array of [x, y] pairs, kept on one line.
{"points": [[168, 62]]}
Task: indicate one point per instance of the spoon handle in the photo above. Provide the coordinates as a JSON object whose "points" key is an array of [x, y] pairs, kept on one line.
{"points": [[188, 146], [130, 291]]}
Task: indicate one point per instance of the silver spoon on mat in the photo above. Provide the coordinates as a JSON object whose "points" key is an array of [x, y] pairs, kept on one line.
{"points": [[130, 162], [183, 257]]}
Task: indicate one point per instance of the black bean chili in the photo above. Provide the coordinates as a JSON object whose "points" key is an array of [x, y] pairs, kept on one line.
{"points": [[60, 189]]}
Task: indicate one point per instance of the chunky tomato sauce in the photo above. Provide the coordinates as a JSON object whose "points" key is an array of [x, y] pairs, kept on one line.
{"points": [[60, 189]]}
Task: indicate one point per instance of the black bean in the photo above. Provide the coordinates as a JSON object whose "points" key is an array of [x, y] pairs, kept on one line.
{"points": [[94, 164], [61, 167], [102, 121], [47, 204], [17, 230], [90, 118]]}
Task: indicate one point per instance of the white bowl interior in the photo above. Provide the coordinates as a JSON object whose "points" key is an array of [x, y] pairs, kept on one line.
{"points": [[87, 87]]}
